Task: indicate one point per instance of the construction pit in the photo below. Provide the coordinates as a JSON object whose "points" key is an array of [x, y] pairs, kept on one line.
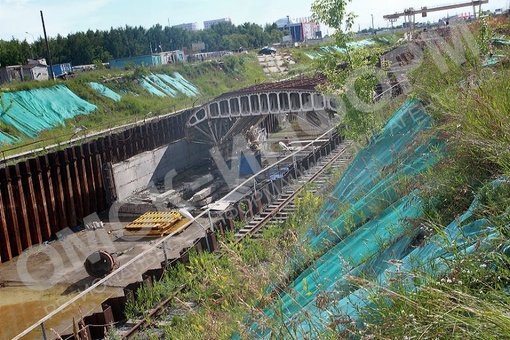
{"points": [[48, 285]]}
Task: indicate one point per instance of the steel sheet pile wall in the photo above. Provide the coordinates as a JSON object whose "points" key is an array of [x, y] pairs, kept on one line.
{"points": [[45, 194]]}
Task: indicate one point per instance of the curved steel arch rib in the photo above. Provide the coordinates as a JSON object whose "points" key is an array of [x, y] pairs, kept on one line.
{"points": [[236, 112]]}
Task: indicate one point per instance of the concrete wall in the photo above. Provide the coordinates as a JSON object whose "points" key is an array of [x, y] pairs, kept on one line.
{"points": [[142, 171]]}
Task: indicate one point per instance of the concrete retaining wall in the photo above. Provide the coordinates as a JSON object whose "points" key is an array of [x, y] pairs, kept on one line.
{"points": [[143, 170]]}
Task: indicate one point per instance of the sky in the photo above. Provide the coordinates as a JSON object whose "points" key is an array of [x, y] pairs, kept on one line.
{"points": [[21, 19]]}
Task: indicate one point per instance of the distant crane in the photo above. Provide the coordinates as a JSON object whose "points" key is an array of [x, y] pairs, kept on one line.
{"points": [[410, 13]]}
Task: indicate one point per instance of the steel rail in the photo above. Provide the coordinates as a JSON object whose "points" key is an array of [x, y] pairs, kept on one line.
{"points": [[291, 197]]}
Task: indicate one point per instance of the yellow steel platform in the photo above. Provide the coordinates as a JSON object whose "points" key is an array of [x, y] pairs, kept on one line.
{"points": [[156, 223]]}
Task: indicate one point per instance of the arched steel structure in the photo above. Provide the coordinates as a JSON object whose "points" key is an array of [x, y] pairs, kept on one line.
{"points": [[235, 112]]}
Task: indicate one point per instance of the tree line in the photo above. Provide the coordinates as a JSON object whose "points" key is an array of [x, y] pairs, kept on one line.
{"points": [[89, 47]]}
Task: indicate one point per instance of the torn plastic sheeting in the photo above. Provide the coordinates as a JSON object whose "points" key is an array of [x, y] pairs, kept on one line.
{"points": [[159, 84], [151, 89], [492, 61], [501, 41], [312, 55], [105, 91]]}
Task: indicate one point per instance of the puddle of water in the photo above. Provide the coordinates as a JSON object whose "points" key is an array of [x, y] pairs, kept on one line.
{"points": [[20, 307]]}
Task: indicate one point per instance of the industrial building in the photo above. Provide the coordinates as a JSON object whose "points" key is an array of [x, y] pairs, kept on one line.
{"points": [[35, 70], [173, 57], [146, 60], [10, 73]]}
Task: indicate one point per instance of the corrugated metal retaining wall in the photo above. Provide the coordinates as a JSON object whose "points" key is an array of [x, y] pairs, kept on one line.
{"points": [[43, 195]]}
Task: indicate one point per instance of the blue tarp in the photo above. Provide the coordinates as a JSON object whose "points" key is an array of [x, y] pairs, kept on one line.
{"points": [[105, 91], [163, 85], [150, 88], [33, 111], [185, 86], [155, 81], [371, 239]]}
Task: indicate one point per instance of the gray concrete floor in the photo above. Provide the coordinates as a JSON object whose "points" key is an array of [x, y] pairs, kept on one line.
{"points": [[47, 276]]}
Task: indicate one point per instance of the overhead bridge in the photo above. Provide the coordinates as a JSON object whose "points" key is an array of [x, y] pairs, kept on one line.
{"points": [[235, 112]]}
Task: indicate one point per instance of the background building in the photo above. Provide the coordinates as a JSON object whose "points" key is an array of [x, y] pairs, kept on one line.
{"points": [[303, 31], [191, 26], [209, 23], [11, 73], [37, 72], [172, 57]]}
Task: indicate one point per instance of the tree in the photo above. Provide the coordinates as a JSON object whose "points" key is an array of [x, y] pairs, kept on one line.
{"points": [[351, 72], [86, 47], [12, 53]]}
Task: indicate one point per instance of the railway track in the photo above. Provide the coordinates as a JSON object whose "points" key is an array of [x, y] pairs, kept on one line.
{"points": [[283, 206]]}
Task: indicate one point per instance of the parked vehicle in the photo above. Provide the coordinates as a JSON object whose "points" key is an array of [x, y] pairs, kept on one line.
{"points": [[267, 50]]}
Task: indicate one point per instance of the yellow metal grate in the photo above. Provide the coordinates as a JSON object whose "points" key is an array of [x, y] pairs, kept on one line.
{"points": [[156, 223]]}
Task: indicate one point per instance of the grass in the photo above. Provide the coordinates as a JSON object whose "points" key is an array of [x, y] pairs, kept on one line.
{"points": [[220, 291], [470, 105], [470, 300]]}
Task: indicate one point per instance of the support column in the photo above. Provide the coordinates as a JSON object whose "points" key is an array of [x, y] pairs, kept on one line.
{"points": [[32, 204]]}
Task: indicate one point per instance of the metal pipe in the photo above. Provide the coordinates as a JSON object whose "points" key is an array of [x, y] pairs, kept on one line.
{"points": [[43, 331]]}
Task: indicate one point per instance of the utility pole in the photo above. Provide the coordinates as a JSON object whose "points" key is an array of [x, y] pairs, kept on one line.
{"points": [[288, 27], [47, 47]]}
